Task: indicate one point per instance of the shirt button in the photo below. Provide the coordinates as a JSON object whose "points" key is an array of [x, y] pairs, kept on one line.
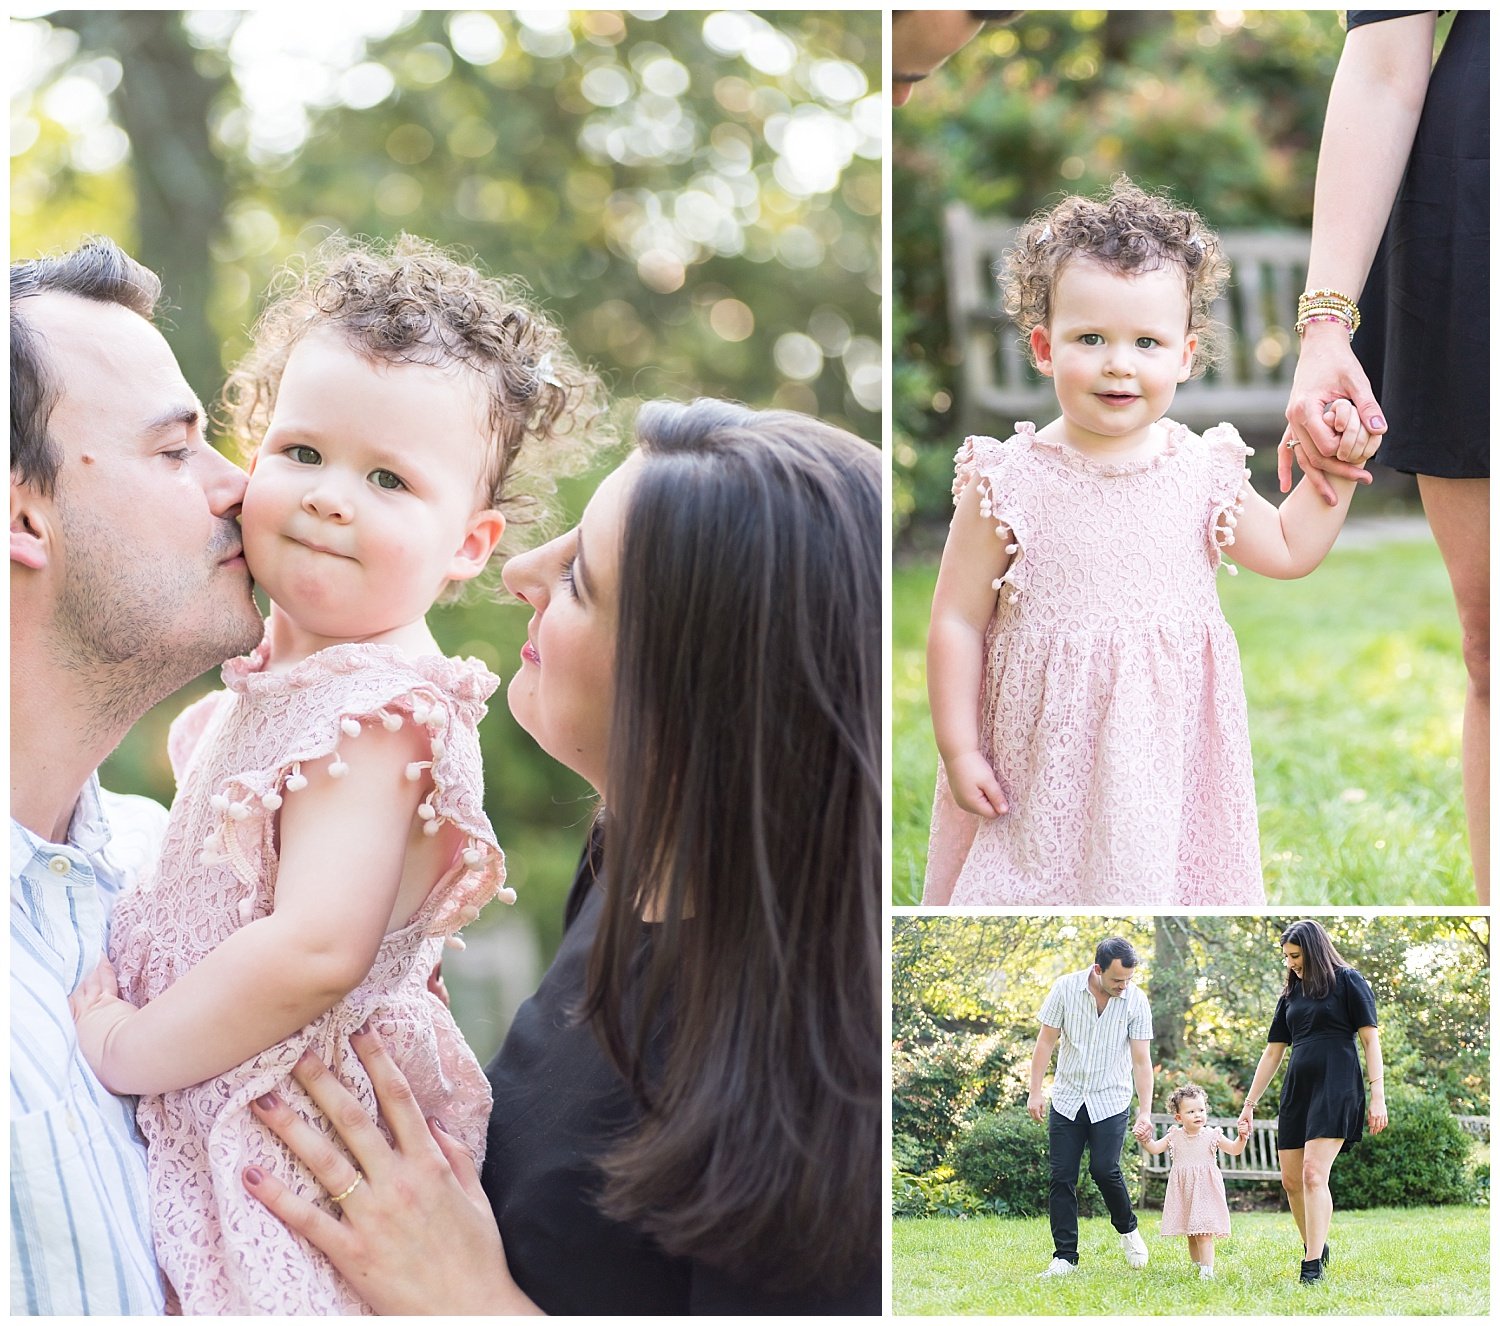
{"points": [[59, 865]]}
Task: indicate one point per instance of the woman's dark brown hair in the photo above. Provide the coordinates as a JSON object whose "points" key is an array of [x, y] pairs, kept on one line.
{"points": [[744, 823], [1320, 960]]}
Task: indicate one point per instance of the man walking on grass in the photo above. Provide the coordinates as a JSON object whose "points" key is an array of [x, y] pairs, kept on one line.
{"points": [[1102, 1025]]}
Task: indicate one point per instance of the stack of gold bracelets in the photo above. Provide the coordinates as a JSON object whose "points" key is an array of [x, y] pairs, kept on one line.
{"points": [[1326, 306]]}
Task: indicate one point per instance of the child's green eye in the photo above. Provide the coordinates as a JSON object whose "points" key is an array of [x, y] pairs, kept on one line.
{"points": [[385, 479], [1147, 342], [1092, 338], [304, 455]]}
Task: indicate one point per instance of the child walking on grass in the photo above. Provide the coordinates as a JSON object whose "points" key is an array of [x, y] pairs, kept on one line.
{"points": [[1085, 687], [328, 831], [1196, 1204]]}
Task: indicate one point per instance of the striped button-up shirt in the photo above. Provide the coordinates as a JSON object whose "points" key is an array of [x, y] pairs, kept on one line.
{"points": [[80, 1236], [1093, 1052]]}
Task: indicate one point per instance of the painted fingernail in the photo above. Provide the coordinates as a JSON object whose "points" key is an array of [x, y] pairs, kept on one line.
{"points": [[1376, 421], [438, 1124], [363, 1029], [253, 1176], [269, 1101]]}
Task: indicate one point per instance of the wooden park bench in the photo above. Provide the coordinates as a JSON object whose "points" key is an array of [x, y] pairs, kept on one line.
{"points": [[999, 386], [1258, 1162]]}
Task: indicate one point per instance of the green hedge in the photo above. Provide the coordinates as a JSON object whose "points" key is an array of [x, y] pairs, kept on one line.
{"points": [[1421, 1159], [1002, 1158]]}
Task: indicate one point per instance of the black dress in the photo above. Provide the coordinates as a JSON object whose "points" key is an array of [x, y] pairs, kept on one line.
{"points": [[1424, 341], [559, 1104], [1323, 1094]]}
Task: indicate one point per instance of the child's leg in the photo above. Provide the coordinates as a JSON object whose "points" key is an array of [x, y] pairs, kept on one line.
{"points": [[1201, 1249]]}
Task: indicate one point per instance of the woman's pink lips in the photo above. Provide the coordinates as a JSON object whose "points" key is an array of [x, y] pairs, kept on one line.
{"points": [[529, 654]]}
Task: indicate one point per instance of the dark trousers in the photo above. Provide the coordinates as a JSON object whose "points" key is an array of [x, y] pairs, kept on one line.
{"points": [[1066, 1139]]}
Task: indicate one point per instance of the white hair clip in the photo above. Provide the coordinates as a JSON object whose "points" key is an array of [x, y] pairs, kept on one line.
{"points": [[543, 371], [1046, 234], [1196, 242]]}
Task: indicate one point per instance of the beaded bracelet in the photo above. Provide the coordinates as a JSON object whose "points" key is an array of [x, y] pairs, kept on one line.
{"points": [[1323, 305]]}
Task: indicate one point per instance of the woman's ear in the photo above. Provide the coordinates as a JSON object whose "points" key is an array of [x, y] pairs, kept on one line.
{"points": [[30, 529], [1041, 350], [485, 529]]}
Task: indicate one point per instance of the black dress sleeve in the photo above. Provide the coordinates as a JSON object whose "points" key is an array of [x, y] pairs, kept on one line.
{"points": [[1357, 18], [1359, 999], [1280, 1033]]}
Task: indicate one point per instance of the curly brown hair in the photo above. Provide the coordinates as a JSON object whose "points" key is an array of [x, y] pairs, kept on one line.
{"points": [[1128, 231], [1184, 1093], [409, 301]]}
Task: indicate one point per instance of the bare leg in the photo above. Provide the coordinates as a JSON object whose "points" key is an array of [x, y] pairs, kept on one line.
{"points": [[1201, 1249], [1291, 1180], [1317, 1201], [1459, 512]]}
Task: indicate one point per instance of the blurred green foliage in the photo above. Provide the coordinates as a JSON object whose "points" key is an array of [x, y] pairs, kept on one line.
{"points": [[693, 195], [1222, 108]]}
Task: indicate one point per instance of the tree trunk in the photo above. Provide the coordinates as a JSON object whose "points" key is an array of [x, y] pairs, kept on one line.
{"points": [[163, 104]]}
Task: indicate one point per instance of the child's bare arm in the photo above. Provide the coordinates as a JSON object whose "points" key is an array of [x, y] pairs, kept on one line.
{"points": [[1154, 1146], [343, 847], [1289, 541], [1233, 1146], [962, 605]]}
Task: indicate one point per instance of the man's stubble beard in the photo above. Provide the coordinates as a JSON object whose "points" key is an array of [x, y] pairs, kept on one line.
{"points": [[137, 630]]}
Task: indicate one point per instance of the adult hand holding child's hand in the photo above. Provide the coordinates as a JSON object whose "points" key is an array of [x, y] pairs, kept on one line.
{"points": [[974, 785]]}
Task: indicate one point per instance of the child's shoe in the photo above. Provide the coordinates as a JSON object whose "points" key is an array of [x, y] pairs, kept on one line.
{"points": [[1060, 1266], [1205, 1272], [1134, 1248]]}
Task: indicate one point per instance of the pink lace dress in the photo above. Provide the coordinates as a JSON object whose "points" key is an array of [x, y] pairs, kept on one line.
{"points": [[237, 754], [1112, 710], [1195, 1202]]}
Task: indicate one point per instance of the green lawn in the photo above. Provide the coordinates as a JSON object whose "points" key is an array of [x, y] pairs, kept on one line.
{"points": [[1356, 690], [1418, 1262]]}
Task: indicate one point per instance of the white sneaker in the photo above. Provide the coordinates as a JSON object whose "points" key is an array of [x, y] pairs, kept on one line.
{"points": [[1205, 1272], [1059, 1266], [1134, 1248]]}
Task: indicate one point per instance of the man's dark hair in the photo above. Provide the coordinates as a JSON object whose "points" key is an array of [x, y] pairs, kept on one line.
{"points": [[1115, 949], [98, 269]]}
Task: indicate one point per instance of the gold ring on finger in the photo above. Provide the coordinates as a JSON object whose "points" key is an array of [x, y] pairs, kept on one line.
{"points": [[358, 1179]]}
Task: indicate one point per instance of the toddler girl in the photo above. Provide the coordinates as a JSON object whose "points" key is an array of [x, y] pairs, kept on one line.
{"points": [[328, 830], [1195, 1204], [1085, 686]]}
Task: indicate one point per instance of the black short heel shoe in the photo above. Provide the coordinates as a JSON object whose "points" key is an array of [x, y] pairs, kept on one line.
{"points": [[1312, 1271], [1326, 1249]]}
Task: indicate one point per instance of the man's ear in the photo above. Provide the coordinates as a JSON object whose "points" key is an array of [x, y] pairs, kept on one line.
{"points": [[30, 527], [1041, 350], [485, 529]]}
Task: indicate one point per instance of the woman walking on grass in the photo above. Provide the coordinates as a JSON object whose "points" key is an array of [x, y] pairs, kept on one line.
{"points": [[1323, 1007]]}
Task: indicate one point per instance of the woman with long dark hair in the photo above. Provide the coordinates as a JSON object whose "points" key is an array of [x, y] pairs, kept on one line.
{"points": [[1324, 1006], [687, 1113]]}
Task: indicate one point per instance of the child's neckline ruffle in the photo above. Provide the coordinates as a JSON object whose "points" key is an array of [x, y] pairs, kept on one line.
{"points": [[1076, 460], [463, 678]]}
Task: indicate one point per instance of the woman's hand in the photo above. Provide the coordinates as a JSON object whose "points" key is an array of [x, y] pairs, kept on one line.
{"points": [[1376, 1117], [416, 1234], [1327, 371], [1246, 1119]]}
